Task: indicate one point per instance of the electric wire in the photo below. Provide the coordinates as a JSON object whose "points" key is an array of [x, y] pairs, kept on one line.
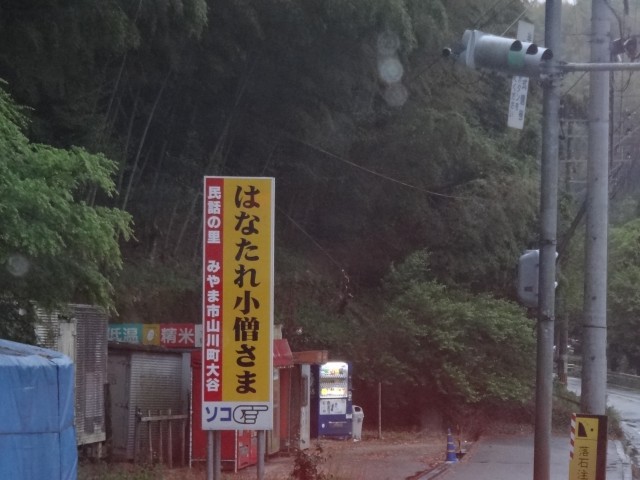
{"points": [[378, 174], [313, 240], [489, 10], [582, 75], [516, 20]]}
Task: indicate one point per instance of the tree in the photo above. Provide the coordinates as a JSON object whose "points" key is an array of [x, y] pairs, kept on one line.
{"points": [[172, 90], [624, 298], [441, 349], [55, 247]]}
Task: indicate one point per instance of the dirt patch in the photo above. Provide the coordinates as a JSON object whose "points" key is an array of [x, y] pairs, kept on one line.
{"points": [[396, 455]]}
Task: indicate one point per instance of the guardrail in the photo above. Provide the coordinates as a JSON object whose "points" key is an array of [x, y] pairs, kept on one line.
{"points": [[625, 380], [614, 379]]}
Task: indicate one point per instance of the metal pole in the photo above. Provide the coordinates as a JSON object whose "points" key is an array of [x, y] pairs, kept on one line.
{"points": [[261, 450], [548, 231], [217, 456], [594, 359], [210, 455], [380, 410], [599, 67]]}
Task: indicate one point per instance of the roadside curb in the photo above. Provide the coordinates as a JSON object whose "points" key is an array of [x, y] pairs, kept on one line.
{"points": [[625, 461], [444, 467], [431, 474], [619, 464]]}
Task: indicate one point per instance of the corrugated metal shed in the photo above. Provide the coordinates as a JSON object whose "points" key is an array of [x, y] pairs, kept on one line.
{"points": [[144, 380], [91, 372], [80, 332]]}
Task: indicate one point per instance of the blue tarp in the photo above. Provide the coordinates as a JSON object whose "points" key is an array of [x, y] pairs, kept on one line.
{"points": [[37, 433]]}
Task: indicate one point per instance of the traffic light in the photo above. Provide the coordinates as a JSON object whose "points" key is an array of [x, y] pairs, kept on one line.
{"points": [[507, 55], [528, 277]]}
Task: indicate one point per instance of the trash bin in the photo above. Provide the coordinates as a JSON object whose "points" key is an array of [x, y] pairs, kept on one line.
{"points": [[357, 418]]}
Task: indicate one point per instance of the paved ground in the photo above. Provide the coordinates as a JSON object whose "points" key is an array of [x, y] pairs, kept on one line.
{"points": [[418, 456], [511, 457], [491, 458]]}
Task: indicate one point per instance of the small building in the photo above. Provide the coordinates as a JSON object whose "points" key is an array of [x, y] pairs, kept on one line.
{"points": [[282, 361], [80, 332], [149, 403], [295, 385]]}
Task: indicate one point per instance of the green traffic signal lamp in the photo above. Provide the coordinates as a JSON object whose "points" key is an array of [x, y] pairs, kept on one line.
{"points": [[507, 55]]}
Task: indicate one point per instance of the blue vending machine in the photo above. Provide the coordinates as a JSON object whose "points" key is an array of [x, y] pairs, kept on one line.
{"points": [[332, 401]]}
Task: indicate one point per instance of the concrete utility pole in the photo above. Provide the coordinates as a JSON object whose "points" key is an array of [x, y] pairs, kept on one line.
{"points": [[548, 232], [594, 353], [479, 50]]}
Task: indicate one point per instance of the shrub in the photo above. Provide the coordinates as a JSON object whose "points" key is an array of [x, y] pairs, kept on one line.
{"points": [[307, 465]]}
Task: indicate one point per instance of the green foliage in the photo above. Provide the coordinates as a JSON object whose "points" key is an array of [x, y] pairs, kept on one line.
{"points": [[173, 90], [54, 246], [150, 290], [432, 347], [454, 348], [565, 403], [16, 320], [623, 302], [456, 193], [624, 299]]}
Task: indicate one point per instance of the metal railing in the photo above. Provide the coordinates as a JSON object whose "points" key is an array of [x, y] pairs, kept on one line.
{"points": [[624, 380], [159, 445]]}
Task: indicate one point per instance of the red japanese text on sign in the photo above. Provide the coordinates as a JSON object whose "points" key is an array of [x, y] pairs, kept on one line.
{"points": [[212, 289]]}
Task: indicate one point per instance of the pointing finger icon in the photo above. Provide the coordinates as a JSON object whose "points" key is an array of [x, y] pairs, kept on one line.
{"points": [[248, 414]]}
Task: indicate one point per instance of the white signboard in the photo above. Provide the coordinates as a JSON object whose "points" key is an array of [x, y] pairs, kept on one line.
{"points": [[519, 85]]}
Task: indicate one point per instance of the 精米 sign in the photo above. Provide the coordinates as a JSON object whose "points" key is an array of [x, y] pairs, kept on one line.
{"points": [[237, 314], [169, 335]]}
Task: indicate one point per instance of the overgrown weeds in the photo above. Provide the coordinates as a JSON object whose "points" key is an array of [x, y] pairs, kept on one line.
{"points": [[565, 403], [307, 464], [105, 471]]}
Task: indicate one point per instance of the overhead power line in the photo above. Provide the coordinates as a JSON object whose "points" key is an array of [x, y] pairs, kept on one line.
{"points": [[378, 174]]}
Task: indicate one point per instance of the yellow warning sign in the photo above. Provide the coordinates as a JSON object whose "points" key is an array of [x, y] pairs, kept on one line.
{"points": [[588, 447]]}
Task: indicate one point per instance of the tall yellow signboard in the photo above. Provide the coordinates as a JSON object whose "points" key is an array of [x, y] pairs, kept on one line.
{"points": [[237, 311]]}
